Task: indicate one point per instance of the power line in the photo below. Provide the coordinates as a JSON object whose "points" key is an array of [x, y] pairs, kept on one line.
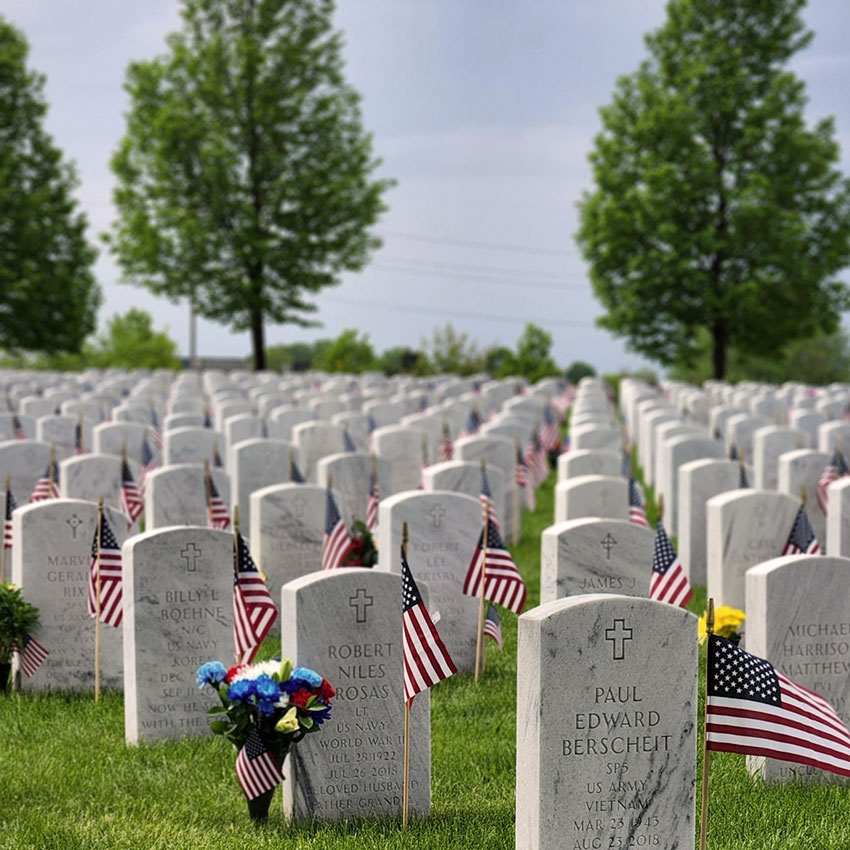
{"points": [[466, 267], [489, 317], [493, 246], [474, 278]]}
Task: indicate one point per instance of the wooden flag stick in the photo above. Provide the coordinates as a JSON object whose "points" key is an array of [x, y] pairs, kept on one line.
{"points": [[405, 793], [660, 508], [480, 635], [236, 555], [97, 585], [703, 823], [516, 493], [5, 550], [208, 489]]}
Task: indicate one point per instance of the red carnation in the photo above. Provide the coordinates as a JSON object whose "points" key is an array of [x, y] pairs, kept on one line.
{"points": [[300, 697], [233, 672], [326, 691]]}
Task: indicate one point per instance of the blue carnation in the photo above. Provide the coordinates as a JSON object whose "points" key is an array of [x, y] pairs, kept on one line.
{"points": [[266, 706], [266, 687], [211, 673], [241, 691], [321, 715], [311, 676]]}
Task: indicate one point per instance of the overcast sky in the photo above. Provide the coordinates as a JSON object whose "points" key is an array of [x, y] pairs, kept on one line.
{"points": [[483, 111]]}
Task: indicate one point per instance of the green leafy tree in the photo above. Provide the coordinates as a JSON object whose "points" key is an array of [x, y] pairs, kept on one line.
{"points": [[500, 362], [579, 369], [450, 351], [715, 206], [245, 176], [533, 354], [131, 342], [403, 360], [347, 353], [48, 294]]}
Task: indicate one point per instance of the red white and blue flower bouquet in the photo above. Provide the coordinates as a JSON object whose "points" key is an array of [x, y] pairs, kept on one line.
{"points": [[265, 708]]}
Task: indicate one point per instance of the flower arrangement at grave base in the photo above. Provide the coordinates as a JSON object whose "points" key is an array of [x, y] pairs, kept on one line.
{"points": [[265, 708], [727, 623], [363, 552], [18, 620]]}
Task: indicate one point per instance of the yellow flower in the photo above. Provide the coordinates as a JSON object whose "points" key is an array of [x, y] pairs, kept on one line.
{"points": [[727, 621], [289, 721]]}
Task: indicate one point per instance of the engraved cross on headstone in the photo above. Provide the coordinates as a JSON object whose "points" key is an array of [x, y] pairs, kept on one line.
{"points": [[361, 601], [608, 543], [437, 513], [618, 634], [190, 555], [74, 522]]}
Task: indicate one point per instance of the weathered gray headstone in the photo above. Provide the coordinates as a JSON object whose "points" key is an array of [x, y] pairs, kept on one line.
{"points": [[346, 624], [769, 444], [91, 476], [314, 441], [351, 473], [51, 560], [595, 556], [178, 614], [191, 445], [606, 725], [403, 448], [838, 518], [176, 495], [592, 496], [573, 463], [800, 471], [255, 464]]}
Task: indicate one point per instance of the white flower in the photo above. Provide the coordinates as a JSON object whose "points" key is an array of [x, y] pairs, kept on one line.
{"points": [[255, 670], [283, 701]]}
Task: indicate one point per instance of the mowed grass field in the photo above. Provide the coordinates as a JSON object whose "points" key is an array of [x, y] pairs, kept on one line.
{"points": [[67, 780]]}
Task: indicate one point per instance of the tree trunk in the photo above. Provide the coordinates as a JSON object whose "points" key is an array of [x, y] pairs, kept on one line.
{"points": [[718, 335], [258, 339]]}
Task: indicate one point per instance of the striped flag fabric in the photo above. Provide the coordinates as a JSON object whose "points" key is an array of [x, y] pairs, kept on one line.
{"points": [[295, 476], [488, 507], [536, 460], [801, 540], [637, 513], [47, 487], [337, 542], [208, 420], [565, 446], [32, 655], [493, 625], [111, 588], [502, 583], [523, 479], [835, 469], [156, 434], [733, 452], [754, 709], [347, 442], [473, 424], [131, 498], [254, 611], [372, 502], [217, 513], [446, 450], [11, 504], [426, 659], [626, 465], [79, 448], [17, 428], [257, 770], [216, 458], [550, 433], [668, 583]]}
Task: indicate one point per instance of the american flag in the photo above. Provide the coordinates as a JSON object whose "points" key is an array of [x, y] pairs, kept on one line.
{"points": [[536, 460], [257, 769], [208, 420], [337, 543], [425, 464], [11, 504], [47, 487], [565, 446], [149, 464], [626, 465], [753, 709], [502, 583], [669, 582], [20, 434], [156, 434], [743, 480], [254, 611], [523, 479], [372, 426], [426, 659], [372, 502], [550, 433], [835, 469], [347, 442], [111, 593], [473, 424], [446, 451], [216, 458], [493, 625], [217, 514], [637, 514], [487, 506], [801, 540], [32, 655], [295, 476], [733, 452], [131, 498], [79, 448]]}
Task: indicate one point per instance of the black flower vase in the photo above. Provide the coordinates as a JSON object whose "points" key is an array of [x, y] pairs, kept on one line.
{"points": [[258, 808], [5, 672]]}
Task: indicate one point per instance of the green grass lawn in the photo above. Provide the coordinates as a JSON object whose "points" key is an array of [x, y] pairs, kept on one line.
{"points": [[69, 781]]}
